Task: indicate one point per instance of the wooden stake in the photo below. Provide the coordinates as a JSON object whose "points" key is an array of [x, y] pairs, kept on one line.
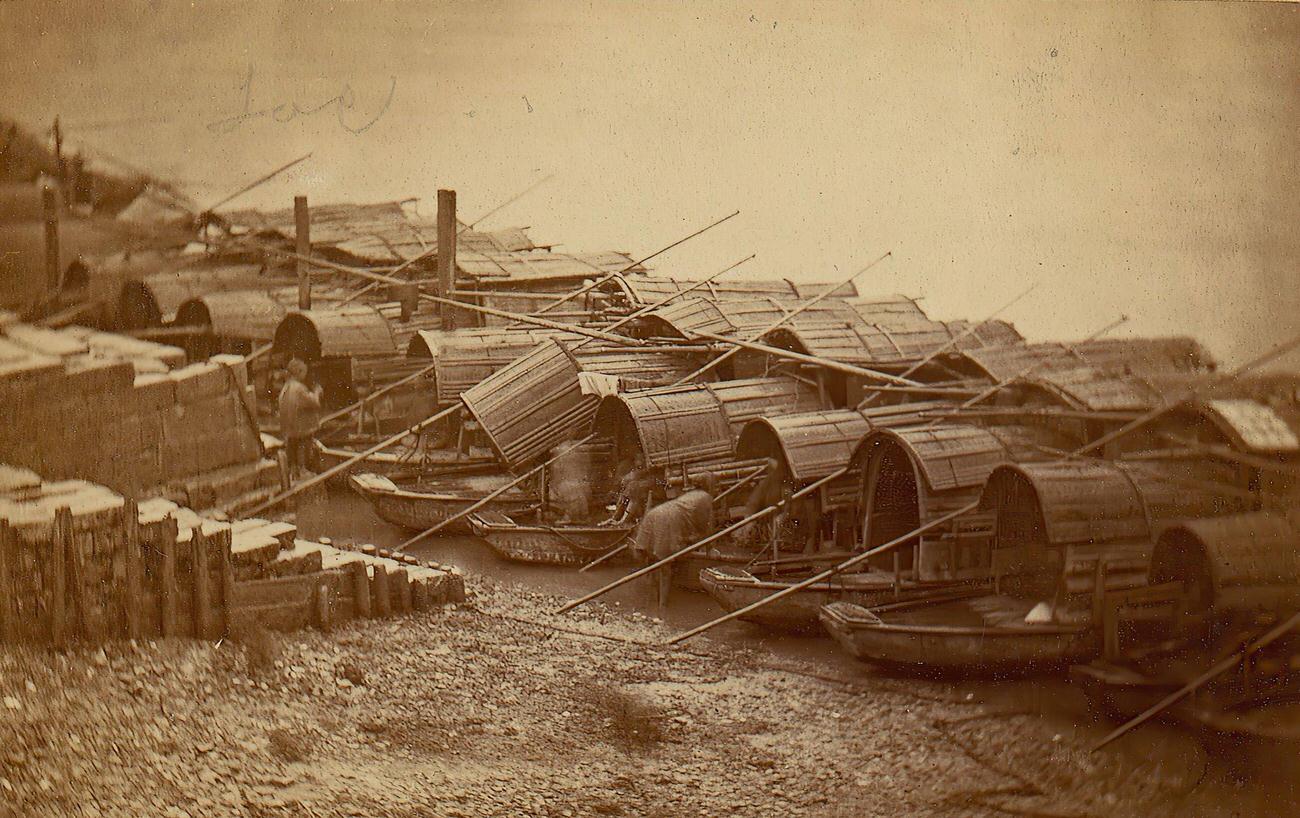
{"points": [[380, 596], [56, 562], [167, 588], [402, 580], [324, 606], [222, 543], [201, 582], [132, 597], [360, 589]]}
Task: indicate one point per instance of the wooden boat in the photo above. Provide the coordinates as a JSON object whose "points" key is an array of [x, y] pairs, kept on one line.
{"points": [[400, 462], [735, 587], [977, 632], [420, 506], [1120, 692], [561, 544]]}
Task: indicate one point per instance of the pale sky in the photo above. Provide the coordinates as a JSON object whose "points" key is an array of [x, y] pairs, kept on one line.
{"points": [[1135, 158]]}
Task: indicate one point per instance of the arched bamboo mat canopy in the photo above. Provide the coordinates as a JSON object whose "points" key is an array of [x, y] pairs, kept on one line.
{"points": [[695, 427], [155, 299], [1085, 519], [912, 474], [809, 445], [1242, 561], [464, 357], [351, 331], [537, 401], [243, 314], [642, 290]]}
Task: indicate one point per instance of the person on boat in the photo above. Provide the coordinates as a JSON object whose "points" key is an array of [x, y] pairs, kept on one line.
{"points": [[794, 525], [570, 474], [634, 489], [673, 525], [299, 416]]}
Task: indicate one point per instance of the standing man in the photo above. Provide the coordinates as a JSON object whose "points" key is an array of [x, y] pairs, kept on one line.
{"points": [[299, 417], [675, 524]]}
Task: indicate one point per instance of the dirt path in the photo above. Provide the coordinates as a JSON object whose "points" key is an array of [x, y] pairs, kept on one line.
{"points": [[475, 710]]}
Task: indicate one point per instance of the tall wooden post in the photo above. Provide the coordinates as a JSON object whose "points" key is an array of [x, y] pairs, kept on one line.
{"points": [[302, 223], [447, 253], [60, 168], [50, 209]]}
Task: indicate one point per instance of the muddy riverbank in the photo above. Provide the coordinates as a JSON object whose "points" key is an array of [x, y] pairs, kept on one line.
{"points": [[496, 707]]}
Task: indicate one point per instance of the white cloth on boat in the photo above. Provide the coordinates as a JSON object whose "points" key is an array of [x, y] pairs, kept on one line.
{"points": [[600, 384]]}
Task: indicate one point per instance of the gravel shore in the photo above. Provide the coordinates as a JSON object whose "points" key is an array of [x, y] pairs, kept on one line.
{"points": [[495, 707]]}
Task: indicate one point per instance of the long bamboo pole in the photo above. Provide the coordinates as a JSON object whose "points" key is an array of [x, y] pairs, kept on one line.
{"points": [[806, 305], [1275, 633], [377, 393], [827, 574], [825, 363], [1274, 353], [952, 342], [758, 515], [477, 504], [609, 276], [1040, 363], [260, 181], [346, 464]]}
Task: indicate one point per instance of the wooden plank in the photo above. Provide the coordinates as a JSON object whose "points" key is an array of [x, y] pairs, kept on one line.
{"points": [[360, 589], [201, 583], [167, 589], [133, 591], [8, 569], [56, 556]]}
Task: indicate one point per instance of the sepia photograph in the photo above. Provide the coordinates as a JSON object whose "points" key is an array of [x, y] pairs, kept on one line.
{"points": [[649, 408]]}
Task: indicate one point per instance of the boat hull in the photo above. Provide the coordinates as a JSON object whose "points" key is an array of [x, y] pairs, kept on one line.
{"points": [[395, 465], [547, 545], [874, 635], [735, 588], [421, 510]]}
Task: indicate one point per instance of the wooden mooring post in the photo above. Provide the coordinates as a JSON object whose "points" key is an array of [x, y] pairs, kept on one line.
{"points": [[360, 589], [56, 562], [133, 592], [201, 582], [167, 578]]}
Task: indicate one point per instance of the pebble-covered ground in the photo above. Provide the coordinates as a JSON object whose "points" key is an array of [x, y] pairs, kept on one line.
{"points": [[486, 708]]}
